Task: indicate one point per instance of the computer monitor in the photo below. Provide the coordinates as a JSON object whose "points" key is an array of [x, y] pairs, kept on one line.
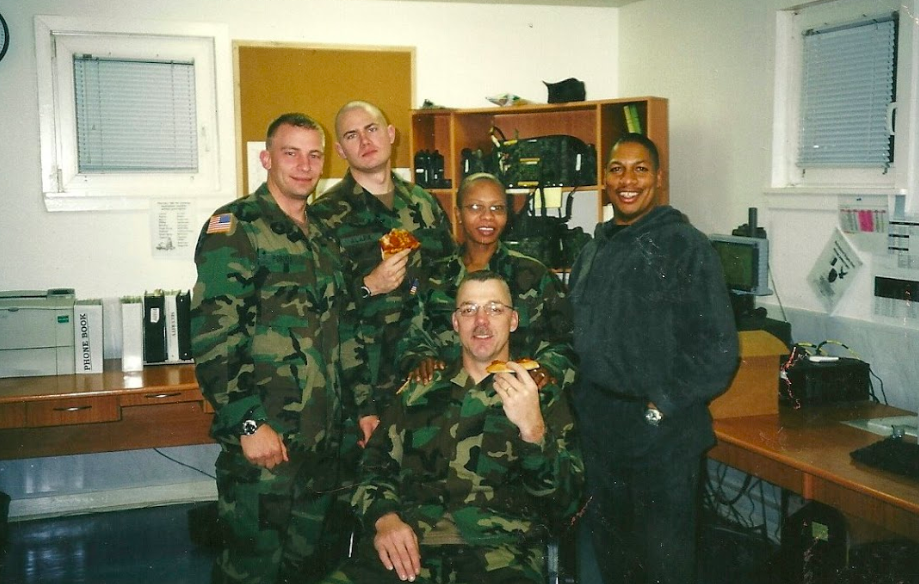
{"points": [[745, 262]]}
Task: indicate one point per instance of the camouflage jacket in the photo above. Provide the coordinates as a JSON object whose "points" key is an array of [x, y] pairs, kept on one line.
{"points": [[357, 220], [265, 318], [448, 447], [545, 329]]}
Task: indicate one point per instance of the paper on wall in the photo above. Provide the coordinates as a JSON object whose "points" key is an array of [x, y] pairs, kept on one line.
{"points": [[834, 270]]}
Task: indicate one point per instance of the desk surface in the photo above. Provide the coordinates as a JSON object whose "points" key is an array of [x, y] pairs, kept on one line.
{"points": [[114, 410], [807, 451], [112, 381]]}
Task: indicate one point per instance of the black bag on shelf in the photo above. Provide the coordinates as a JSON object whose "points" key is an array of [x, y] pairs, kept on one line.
{"points": [[548, 161], [573, 239], [547, 238]]}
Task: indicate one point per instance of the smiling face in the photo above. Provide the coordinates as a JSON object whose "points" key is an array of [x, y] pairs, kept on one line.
{"points": [[294, 162], [484, 337], [364, 138], [482, 213], [632, 182]]}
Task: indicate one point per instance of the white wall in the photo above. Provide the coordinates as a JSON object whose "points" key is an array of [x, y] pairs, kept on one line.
{"points": [[464, 52], [715, 61]]}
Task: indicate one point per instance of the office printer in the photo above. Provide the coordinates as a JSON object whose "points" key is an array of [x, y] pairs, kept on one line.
{"points": [[36, 332]]}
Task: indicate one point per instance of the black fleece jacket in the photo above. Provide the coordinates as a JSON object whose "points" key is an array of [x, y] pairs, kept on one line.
{"points": [[653, 321]]}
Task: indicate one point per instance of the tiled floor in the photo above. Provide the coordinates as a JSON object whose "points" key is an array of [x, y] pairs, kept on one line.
{"points": [[135, 546], [154, 545]]}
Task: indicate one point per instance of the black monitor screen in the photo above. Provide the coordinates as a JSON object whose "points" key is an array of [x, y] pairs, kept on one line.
{"points": [[739, 263]]}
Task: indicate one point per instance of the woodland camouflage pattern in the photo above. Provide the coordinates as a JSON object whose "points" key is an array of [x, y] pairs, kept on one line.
{"points": [[448, 448], [265, 337], [545, 328], [357, 220]]}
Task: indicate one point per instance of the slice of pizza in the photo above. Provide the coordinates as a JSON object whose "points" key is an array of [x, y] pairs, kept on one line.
{"points": [[396, 241], [501, 366]]}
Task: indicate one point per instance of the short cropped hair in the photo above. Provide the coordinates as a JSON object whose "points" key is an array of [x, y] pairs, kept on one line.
{"points": [[643, 141], [485, 276], [474, 179], [294, 119], [364, 105]]}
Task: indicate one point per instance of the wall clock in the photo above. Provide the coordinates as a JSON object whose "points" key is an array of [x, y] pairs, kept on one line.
{"points": [[4, 37]]}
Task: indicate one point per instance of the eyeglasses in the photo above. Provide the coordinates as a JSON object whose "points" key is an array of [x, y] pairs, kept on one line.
{"points": [[479, 208], [492, 309]]}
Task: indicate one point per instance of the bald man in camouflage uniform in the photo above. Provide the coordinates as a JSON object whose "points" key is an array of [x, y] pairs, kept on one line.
{"points": [[368, 202], [545, 330], [265, 326], [465, 474]]}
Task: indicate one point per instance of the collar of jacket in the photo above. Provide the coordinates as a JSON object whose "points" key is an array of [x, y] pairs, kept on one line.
{"points": [[358, 194], [276, 218], [660, 215]]}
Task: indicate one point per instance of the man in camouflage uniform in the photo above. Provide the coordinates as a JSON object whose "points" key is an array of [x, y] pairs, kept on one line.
{"points": [[368, 202], [465, 474], [265, 330], [545, 317]]}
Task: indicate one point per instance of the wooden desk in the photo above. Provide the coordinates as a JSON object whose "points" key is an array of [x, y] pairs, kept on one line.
{"points": [[807, 452], [114, 410]]}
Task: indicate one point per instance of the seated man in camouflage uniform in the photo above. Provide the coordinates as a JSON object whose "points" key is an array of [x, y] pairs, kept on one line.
{"points": [[464, 474], [544, 314]]}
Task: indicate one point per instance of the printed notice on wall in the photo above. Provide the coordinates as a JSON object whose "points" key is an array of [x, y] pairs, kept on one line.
{"points": [[834, 271], [172, 234]]}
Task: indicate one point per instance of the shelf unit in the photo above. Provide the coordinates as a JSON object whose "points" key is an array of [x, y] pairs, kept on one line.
{"points": [[599, 123]]}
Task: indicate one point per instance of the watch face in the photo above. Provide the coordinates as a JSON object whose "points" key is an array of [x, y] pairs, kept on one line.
{"points": [[249, 427]]}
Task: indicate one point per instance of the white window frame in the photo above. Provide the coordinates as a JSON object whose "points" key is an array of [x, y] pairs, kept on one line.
{"points": [[59, 38], [898, 180]]}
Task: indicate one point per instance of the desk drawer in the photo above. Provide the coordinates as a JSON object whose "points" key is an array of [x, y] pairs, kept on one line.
{"points": [[12, 415], [166, 396], [62, 412]]}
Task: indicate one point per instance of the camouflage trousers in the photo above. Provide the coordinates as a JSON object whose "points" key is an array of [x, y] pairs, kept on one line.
{"points": [[273, 531], [450, 564]]}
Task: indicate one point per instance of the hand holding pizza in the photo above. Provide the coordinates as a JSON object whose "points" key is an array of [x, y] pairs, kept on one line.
{"points": [[520, 399], [389, 274]]}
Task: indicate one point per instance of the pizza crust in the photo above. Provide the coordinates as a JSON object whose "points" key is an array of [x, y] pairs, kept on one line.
{"points": [[501, 366]]}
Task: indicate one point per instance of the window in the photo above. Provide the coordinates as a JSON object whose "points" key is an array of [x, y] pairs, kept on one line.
{"points": [[135, 116], [847, 95], [130, 111], [844, 91]]}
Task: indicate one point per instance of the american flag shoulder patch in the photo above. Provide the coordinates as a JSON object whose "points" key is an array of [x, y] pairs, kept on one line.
{"points": [[220, 223]]}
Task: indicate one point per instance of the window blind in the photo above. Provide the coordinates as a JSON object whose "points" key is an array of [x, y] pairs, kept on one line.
{"points": [[848, 84], [135, 116]]}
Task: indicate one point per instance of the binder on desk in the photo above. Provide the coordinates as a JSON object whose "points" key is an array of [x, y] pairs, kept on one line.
{"points": [[178, 335], [154, 327], [132, 333], [87, 336], [171, 315], [183, 316]]}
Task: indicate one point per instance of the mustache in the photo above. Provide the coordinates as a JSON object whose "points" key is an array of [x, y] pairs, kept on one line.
{"points": [[481, 330]]}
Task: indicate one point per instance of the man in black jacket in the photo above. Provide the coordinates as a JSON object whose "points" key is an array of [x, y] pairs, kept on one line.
{"points": [[656, 339]]}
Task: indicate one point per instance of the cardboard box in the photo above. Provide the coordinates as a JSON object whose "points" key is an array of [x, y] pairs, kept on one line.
{"points": [[755, 389]]}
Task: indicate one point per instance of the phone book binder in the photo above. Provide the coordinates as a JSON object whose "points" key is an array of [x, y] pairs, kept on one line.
{"points": [[87, 336]]}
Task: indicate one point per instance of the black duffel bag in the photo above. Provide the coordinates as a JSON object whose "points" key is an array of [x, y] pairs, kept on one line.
{"points": [[548, 161], [544, 237]]}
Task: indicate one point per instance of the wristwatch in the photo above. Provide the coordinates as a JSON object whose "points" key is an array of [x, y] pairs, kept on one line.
{"points": [[365, 292], [248, 427], [653, 416]]}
